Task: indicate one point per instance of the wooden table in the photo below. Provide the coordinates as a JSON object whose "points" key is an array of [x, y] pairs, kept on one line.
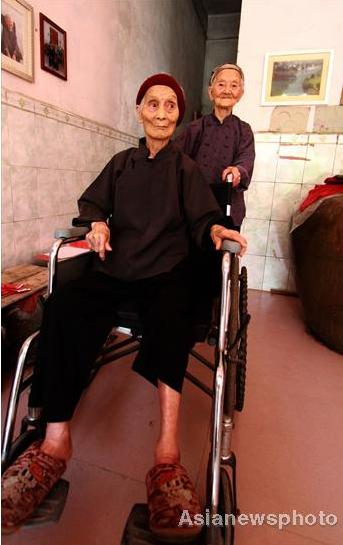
{"points": [[33, 276]]}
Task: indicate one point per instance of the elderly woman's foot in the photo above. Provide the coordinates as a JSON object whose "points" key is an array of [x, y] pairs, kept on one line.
{"points": [[170, 493], [57, 442], [25, 484], [166, 453]]}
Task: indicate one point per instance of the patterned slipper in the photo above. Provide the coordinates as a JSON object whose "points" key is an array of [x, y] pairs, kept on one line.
{"points": [[25, 484], [171, 492]]}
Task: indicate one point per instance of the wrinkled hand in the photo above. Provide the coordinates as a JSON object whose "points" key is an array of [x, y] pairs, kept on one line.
{"points": [[99, 239], [220, 233], [236, 175]]}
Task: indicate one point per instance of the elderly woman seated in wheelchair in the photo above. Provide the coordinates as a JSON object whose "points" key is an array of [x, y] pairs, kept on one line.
{"points": [[144, 210]]}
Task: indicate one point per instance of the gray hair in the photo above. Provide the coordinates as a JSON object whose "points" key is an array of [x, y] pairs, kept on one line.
{"points": [[227, 66]]}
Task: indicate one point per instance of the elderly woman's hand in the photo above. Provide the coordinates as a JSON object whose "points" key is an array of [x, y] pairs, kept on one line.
{"points": [[220, 233], [99, 238], [236, 175]]}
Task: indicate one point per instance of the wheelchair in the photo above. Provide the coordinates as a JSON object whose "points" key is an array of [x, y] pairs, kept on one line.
{"points": [[226, 333]]}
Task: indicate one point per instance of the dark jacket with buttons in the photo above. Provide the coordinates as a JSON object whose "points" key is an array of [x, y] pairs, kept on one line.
{"points": [[215, 146], [154, 207]]}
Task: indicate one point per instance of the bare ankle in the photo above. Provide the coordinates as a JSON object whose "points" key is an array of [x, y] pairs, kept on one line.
{"points": [[166, 454], [57, 442], [60, 450]]}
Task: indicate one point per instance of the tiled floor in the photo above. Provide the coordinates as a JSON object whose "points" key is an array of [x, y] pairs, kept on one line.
{"points": [[288, 441]]}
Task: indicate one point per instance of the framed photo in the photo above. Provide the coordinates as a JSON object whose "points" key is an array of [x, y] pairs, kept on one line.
{"points": [[297, 77], [17, 38], [53, 47]]}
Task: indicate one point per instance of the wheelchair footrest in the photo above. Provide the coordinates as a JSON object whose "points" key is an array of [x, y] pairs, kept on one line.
{"points": [[52, 507], [137, 531]]}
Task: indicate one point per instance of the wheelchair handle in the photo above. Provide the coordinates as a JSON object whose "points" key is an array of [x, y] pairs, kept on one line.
{"points": [[231, 246], [71, 232]]}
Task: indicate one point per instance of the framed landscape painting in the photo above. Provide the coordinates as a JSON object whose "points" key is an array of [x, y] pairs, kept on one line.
{"points": [[298, 77]]}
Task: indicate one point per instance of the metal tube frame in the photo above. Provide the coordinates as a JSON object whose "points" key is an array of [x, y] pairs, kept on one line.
{"points": [[14, 399], [219, 384], [219, 379]]}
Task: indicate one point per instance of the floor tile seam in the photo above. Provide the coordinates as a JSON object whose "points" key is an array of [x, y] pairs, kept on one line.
{"points": [[308, 538], [108, 470]]}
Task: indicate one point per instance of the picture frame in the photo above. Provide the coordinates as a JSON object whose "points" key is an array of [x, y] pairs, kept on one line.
{"points": [[17, 38], [297, 77], [53, 47]]}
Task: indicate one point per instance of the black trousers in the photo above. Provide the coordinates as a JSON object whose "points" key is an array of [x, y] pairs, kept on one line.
{"points": [[79, 316]]}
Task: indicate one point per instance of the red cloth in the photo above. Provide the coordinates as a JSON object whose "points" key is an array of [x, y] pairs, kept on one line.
{"points": [[12, 288], [331, 186]]}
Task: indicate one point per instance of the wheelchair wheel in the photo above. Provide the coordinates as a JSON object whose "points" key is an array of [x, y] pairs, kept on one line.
{"points": [[222, 531], [221, 534], [234, 302], [242, 352], [226, 507]]}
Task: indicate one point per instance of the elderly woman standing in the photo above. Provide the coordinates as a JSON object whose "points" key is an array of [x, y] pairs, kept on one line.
{"points": [[143, 210], [220, 142]]}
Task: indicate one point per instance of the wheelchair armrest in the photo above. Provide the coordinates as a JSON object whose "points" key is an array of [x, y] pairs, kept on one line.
{"points": [[71, 232], [231, 246]]}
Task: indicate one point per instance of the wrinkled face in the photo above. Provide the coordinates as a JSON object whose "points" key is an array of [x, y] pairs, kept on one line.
{"points": [[227, 89], [159, 112]]}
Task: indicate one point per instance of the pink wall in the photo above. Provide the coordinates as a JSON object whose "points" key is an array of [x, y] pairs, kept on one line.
{"points": [[89, 90], [112, 46]]}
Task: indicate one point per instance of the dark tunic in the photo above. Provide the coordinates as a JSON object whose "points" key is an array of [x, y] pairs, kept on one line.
{"points": [[155, 207], [215, 146]]}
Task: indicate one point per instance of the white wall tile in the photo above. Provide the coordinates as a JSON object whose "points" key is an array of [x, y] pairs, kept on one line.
{"points": [[266, 137], [294, 138], [291, 163], [49, 143], [85, 179], [279, 239], [47, 227], [293, 151], [52, 163], [265, 162], [290, 171], [286, 199], [323, 139], [70, 191], [22, 141], [24, 190], [319, 163], [26, 240], [6, 195], [260, 198], [256, 232], [255, 267], [8, 257], [70, 135], [104, 149], [338, 165], [84, 150], [50, 193], [4, 134], [276, 273]]}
